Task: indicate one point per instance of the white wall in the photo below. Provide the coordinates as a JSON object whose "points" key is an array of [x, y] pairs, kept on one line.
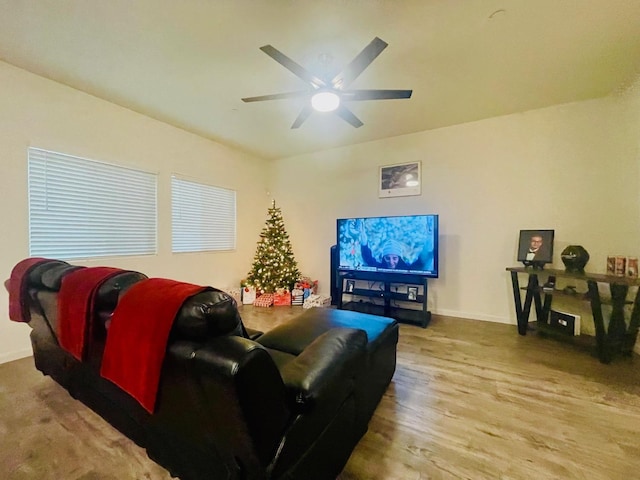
{"points": [[631, 98], [572, 168], [41, 113]]}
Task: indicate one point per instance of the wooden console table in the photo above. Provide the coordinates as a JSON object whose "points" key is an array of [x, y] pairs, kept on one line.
{"points": [[616, 338]]}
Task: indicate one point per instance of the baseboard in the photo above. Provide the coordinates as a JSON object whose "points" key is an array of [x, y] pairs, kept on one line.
{"points": [[11, 356], [474, 316]]}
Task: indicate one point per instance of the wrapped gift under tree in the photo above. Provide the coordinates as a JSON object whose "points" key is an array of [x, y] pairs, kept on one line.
{"points": [[235, 293], [264, 300], [248, 295], [308, 286], [316, 301], [282, 297], [297, 296]]}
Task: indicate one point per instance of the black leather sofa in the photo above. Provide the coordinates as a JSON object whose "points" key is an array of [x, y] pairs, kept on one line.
{"points": [[291, 403]]}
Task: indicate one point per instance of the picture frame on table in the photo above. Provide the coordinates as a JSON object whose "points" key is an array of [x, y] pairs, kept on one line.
{"points": [[400, 180], [350, 286], [621, 266], [535, 247], [611, 265], [412, 293], [632, 267]]}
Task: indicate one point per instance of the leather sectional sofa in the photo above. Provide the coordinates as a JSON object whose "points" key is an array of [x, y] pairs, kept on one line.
{"points": [[228, 403]]}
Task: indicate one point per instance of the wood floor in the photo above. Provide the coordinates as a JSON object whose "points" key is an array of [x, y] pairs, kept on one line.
{"points": [[469, 400]]}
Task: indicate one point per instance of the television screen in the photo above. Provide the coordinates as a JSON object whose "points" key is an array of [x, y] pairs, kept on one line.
{"points": [[535, 247], [389, 245]]}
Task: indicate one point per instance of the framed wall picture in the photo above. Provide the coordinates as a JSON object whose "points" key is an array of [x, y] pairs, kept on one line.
{"points": [[400, 180]]}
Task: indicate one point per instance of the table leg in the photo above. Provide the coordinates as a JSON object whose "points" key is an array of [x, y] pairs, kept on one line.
{"points": [[617, 326], [515, 284], [604, 353], [634, 324], [532, 288]]}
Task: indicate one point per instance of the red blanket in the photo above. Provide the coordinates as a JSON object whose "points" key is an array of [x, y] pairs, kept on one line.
{"points": [[18, 307], [137, 338], [75, 306]]}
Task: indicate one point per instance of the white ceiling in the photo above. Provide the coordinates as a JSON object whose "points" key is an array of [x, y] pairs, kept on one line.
{"points": [[189, 62]]}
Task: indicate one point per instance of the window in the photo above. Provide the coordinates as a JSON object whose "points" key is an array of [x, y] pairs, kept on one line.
{"points": [[81, 208], [203, 217]]}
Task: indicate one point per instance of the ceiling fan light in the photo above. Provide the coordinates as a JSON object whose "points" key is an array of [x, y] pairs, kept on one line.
{"points": [[325, 101]]}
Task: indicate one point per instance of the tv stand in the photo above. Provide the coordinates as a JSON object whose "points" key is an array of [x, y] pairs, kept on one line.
{"points": [[363, 299]]}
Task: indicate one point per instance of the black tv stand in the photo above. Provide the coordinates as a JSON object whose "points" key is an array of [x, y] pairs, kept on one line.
{"points": [[363, 299]]}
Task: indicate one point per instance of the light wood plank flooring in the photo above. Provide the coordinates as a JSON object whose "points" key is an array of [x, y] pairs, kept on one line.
{"points": [[469, 400]]}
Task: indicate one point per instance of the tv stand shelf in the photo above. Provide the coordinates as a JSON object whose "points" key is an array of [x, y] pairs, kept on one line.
{"points": [[387, 296]]}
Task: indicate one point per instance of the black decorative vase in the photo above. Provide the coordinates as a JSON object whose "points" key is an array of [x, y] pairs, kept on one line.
{"points": [[574, 257]]}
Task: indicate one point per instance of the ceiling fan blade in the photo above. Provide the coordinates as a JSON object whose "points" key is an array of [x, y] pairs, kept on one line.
{"points": [[356, 95], [302, 116], [276, 96], [293, 67], [347, 115], [358, 64]]}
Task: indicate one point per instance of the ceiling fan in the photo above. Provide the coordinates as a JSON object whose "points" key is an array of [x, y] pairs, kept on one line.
{"points": [[326, 95]]}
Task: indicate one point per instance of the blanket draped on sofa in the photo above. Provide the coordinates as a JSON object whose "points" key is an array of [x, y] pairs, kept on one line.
{"points": [[75, 306], [18, 308], [138, 336]]}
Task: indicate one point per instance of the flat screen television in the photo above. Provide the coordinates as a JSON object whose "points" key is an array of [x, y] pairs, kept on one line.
{"points": [[392, 247]]}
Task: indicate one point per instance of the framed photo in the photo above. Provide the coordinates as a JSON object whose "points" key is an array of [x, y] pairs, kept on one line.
{"points": [[621, 266], [535, 247], [412, 293], [611, 265], [632, 267], [400, 180], [350, 286]]}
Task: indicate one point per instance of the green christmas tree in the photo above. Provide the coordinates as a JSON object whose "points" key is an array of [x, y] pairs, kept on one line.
{"points": [[273, 265]]}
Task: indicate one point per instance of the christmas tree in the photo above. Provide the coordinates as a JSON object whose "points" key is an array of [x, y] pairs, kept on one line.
{"points": [[273, 265]]}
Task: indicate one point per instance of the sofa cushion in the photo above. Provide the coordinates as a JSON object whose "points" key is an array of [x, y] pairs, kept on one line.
{"points": [[294, 336], [280, 358], [52, 277], [113, 288], [38, 271]]}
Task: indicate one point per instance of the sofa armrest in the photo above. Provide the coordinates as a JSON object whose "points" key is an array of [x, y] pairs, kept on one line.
{"points": [[252, 333], [236, 384], [326, 368]]}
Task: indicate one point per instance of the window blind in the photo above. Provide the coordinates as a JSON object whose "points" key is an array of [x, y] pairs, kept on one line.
{"points": [[203, 217], [80, 208]]}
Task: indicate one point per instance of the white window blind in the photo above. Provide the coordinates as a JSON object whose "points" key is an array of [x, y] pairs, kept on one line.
{"points": [[81, 208], [203, 217]]}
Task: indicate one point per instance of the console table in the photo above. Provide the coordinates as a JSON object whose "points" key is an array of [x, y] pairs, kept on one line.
{"points": [[617, 337]]}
